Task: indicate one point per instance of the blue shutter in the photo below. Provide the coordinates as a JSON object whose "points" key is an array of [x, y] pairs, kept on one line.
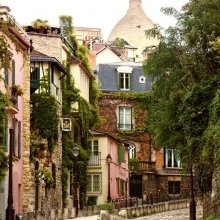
{"points": [[19, 139], [13, 72]]}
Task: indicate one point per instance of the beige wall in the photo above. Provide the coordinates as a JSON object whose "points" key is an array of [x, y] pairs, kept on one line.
{"points": [[107, 56]]}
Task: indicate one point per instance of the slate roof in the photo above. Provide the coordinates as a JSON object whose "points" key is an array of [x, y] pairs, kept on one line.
{"points": [[38, 56], [108, 77]]}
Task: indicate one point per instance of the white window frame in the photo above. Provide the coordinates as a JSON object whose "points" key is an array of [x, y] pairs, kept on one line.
{"points": [[124, 77], [92, 182], [174, 160], [124, 125]]}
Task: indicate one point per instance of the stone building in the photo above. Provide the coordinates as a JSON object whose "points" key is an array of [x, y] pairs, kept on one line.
{"points": [[132, 28], [155, 173], [15, 82]]}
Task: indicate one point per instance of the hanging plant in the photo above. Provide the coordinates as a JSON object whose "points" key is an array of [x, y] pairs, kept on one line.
{"points": [[16, 90]]}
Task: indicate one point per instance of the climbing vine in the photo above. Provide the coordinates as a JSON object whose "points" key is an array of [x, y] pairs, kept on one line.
{"points": [[44, 118], [88, 115]]}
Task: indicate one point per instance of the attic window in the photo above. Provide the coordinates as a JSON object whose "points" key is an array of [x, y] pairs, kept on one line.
{"points": [[142, 79]]}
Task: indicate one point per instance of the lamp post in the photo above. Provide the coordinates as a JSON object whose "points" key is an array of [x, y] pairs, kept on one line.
{"points": [[10, 212], [109, 160], [75, 197], [192, 199]]}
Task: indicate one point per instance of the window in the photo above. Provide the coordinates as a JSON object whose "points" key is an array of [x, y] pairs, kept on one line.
{"points": [[94, 183], [174, 187], [125, 118], [124, 81], [94, 147], [132, 151], [17, 138], [172, 158], [120, 186]]}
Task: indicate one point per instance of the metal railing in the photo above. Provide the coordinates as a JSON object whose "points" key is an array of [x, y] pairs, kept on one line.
{"points": [[125, 202], [94, 159], [142, 166]]}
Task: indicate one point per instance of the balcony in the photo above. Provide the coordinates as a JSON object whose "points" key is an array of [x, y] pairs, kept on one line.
{"points": [[94, 159], [143, 166]]}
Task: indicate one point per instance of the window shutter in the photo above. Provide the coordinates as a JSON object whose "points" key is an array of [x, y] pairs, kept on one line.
{"points": [[6, 138], [121, 154], [6, 76], [15, 131], [19, 139], [13, 72]]}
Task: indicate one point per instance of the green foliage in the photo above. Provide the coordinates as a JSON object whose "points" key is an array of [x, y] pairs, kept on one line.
{"points": [[44, 118], [38, 23], [88, 114], [64, 178], [212, 218], [46, 175], [106, 206], [66, 23], [3, 163], [133, 164], [5, 53], [185, 65], [4, 102], [119, 43]]}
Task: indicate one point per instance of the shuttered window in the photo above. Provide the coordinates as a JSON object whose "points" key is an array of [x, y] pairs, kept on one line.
{"points": [[19, 139], [6, 76], [121, 154], [13, 72]]}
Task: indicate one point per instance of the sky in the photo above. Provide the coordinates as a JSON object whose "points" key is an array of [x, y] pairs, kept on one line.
{"points": [[102, 14]]}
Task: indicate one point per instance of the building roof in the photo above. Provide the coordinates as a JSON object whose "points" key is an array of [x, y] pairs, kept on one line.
{"points": [[38, 56], [108, 77]]}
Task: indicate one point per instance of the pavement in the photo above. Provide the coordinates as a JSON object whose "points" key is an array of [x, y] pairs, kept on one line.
{"points": [[92, 217], [180, 214]]}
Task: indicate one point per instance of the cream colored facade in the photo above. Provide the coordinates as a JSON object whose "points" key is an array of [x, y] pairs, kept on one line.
{"points": [[132, 28], [106, 55]]}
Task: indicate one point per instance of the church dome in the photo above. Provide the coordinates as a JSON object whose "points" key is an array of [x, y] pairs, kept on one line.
{"points": [[132, 27]]}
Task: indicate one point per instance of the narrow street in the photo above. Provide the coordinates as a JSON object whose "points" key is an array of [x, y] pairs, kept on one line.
{"points": [[181, 214]]}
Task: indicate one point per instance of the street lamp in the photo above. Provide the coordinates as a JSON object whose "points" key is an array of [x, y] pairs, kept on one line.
{"points": [[75, 197], [192, 199], [10, 212], [109, 160]]}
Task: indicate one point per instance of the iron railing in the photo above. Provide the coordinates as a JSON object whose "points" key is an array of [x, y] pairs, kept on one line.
{"points": [[95, 159]]}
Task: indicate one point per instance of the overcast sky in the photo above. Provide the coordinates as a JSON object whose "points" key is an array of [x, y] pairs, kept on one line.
{"points": [[102, 14]]}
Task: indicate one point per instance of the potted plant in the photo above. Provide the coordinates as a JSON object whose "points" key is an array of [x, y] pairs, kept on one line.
{"points": [[16, 90], [106, 207]]}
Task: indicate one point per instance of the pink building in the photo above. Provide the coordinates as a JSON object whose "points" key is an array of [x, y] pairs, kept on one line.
{"points": [[15, 85], [107, 172]]}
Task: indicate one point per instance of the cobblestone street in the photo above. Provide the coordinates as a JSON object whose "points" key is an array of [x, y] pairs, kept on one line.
{"points": [[181, 214]]}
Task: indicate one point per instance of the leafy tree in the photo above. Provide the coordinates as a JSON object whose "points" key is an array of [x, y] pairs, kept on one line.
{"points": [[185, 64]]}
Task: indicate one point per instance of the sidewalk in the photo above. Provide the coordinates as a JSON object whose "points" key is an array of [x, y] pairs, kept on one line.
{"points": [[92, 217]]}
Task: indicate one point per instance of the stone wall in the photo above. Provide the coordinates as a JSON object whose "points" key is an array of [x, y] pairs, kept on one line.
{"points": [[211, 200], [50, 45], [28, 190], [108, 107]]}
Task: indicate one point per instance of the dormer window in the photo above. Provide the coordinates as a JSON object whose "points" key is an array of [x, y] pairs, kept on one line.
{"points": [[124, 77], [124, 81]]}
